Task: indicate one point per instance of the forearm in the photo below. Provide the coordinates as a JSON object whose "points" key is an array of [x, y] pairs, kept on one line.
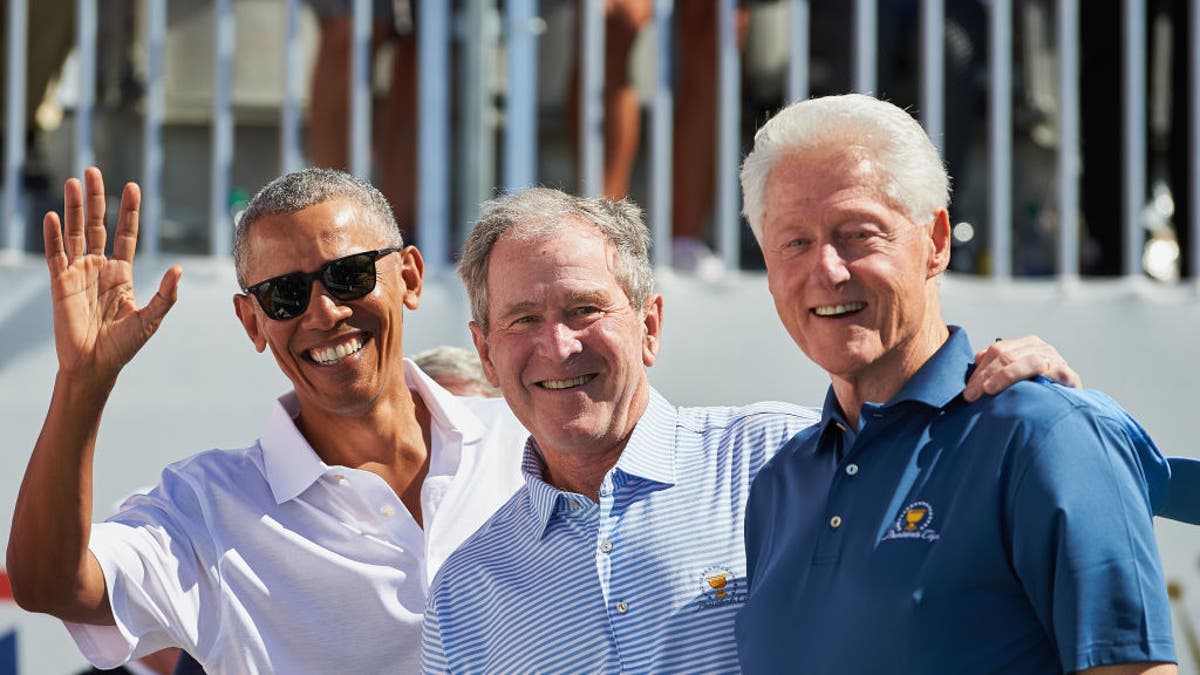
{"points": [[49, 564]]}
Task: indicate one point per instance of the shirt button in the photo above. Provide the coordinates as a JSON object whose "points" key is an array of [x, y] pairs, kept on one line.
{"points": [[605, 546], [835, 522], [622, 607], [339, 477], [851, 469], [605, 491], [387, 511]]}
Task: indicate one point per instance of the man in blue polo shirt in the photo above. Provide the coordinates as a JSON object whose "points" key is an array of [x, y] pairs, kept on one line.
{"points": [[911, 531], [623, 551]]}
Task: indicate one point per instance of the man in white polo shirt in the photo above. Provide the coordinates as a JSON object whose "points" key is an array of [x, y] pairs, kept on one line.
{"points": [[311, 550]]}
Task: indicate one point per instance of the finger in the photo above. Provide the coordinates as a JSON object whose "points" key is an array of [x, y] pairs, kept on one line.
{"points": [[1063, 374], [73, 218], [168, 291], [56, 258], [125, 239], [96, 233]]}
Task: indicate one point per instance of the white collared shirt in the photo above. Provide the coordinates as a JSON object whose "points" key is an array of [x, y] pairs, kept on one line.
{"points": [[266, 559]]}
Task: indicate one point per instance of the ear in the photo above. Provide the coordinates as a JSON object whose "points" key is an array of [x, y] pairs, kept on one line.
{"points": [[243, 306], [485, 354], [652, 315], [939, 243], [413, 273]]}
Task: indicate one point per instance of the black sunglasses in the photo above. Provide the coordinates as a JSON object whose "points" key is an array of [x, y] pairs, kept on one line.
{"points": [[286, 296]]}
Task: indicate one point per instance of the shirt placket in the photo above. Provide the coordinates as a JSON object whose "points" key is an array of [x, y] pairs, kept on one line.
{"points": [[846, 492]]}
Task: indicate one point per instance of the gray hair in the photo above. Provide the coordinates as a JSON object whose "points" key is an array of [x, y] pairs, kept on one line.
{"points": [[299, 190], [454, 362], [913, 176], [538, 212]]}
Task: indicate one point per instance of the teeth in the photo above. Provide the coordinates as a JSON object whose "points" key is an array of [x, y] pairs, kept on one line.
{"points": [[329, 355], [566, 384], [832, 310]]}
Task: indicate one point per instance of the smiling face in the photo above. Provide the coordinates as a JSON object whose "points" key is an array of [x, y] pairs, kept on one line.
{"points": [[852, 276], [563, 343], [342, 357]]}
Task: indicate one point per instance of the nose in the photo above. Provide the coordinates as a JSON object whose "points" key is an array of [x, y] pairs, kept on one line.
{"points": [[560, 341], [324, 311], [831, 270]]}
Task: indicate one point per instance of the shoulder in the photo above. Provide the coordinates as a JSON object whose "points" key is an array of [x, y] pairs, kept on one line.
{"points": [[765, 417], [497, 541]]}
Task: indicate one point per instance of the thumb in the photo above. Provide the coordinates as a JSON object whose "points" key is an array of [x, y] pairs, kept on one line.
{"points": [[168, 291]]}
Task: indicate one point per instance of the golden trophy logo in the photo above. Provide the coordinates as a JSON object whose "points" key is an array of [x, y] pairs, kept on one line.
{"points": [[914, 523], [913, 517], [717, 583], [719, 586]]}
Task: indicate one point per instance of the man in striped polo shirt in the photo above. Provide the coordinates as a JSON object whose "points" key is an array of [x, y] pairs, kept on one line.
{"points": [[623, 551]]}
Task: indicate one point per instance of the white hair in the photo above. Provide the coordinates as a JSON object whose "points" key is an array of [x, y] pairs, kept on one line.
{"points": [[912, 174]]}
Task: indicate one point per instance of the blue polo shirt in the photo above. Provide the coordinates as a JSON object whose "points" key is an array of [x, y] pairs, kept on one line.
{"points": [[648, 580], [1008, 535]]}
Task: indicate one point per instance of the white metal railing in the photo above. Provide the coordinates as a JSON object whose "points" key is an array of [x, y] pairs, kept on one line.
{"points": [[519, 32]]}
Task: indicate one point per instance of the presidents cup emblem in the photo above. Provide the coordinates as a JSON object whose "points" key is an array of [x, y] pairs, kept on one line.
{"points": [[718, 586], [914, 523]]}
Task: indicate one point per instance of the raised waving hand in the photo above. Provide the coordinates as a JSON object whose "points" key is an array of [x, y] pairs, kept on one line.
{"points": [[98, 326]]}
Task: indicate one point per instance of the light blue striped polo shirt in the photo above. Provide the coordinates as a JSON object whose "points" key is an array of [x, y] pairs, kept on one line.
{"points": [[648, 580]]}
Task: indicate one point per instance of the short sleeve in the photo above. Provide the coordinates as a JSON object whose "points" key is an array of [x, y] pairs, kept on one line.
{"points": [[1082, 540], [153, 578], [1183, 501]]}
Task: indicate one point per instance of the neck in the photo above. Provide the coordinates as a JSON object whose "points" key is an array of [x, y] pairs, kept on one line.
{"points": [[885, 377], [581, 474], [392, 440]]}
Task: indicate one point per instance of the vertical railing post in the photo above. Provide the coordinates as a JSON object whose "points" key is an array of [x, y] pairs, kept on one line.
{"points": [[433, 137], [729, 125], [1134, 63], [520, 119], [798, 58], [221, 234], [933, 71], [360, 89], [477, 149], [149, 239], [85, 57], [662, 125], [591, 99], [866, 45], [13, 230], [1000, 138], [289, 113], [1193, 31], [1068, 146]]}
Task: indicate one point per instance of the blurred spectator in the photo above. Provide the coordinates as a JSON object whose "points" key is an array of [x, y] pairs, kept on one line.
{"points": [[695, 128], [394, 120], [458, 371]]}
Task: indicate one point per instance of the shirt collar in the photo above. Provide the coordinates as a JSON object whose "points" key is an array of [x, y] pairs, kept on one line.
{"points": [[649, 454], [938, 382], [290, 463]]}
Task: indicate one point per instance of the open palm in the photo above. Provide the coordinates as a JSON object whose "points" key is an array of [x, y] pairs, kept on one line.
{"points": [[98, 326]]}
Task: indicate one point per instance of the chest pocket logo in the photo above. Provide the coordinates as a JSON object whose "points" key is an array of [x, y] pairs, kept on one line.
{"points": [[914, 523], [719, 587]]}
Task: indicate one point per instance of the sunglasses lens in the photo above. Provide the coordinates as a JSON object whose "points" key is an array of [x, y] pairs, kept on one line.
{"points": [[286, 297], [350, 278]]}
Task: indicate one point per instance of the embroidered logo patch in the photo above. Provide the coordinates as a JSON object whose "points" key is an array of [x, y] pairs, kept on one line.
{"points": [[719, 587], [914, 523]]}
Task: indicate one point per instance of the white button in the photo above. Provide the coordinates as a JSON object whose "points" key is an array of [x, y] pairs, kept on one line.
{"points": [[605, 546], [835, 522], [605, 491], [387, 511], [339, 477], [622, 607], [851, 469]]}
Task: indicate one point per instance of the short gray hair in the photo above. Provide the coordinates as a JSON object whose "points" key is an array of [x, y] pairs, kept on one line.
{"points": [[454, 362], [914, 177], [538, 212], [299, 190]]}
